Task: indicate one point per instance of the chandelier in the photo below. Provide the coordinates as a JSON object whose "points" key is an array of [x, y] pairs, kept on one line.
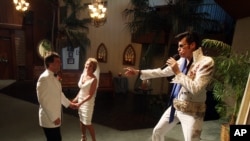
{"points": [[98, 13], [21, 5]]}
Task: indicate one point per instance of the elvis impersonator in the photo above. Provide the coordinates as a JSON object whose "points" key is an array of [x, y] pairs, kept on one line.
{"points": [[192, 73]]}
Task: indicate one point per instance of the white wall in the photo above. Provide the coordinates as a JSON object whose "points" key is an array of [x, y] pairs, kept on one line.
{"points": [[116, 38], [241, 44], [241, 39]]}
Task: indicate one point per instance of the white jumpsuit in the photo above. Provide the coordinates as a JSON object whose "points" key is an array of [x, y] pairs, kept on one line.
{"points": [[193, 90]]}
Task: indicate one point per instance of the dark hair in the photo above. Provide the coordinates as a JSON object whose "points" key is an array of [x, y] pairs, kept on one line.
{"points": [[190, 37], [49, 58]]}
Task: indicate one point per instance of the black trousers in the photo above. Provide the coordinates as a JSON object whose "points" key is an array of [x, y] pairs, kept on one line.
{"points": [[53, 134]]}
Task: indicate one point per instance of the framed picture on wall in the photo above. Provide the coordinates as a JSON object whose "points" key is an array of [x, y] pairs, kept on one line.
{"points": [[77, 52], [70, 54], [70, 60]]}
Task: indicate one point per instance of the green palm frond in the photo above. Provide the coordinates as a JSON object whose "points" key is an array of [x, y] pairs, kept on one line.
{"points": [[74, 28], [230, 77], [220, 46]]}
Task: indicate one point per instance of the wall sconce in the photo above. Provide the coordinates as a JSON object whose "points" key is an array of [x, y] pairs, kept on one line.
{"points": [[129, 55], [98, 13], [102, 53], [21, 5]]}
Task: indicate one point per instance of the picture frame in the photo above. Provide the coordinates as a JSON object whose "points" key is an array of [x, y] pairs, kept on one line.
{"points": [[77, 52], [70, 61], [70, 54]]}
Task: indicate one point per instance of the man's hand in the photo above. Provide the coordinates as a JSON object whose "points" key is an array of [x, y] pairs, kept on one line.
{"points": [[78, 105], [174, 65], [73, 105], [130, 71]]}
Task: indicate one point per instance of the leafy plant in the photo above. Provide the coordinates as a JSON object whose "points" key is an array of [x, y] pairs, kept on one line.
{"points": [[73, 27], [229, 80], [47, 45]]}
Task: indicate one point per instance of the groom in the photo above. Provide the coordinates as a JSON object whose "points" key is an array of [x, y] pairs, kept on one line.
{"points": [[50, 98]]}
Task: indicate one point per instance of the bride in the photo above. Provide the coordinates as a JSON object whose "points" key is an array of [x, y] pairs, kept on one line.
{"points": [[85, 98]]}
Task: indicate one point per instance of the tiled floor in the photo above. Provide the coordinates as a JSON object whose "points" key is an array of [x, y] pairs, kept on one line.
{"points": [[4, 83], [19, 121]]}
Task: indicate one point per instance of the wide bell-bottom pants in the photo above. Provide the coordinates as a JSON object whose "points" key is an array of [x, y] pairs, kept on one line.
{"points": [[191, 124]]}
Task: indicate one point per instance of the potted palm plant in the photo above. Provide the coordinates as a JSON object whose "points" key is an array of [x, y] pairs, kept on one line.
{"points": [[229, 81]]}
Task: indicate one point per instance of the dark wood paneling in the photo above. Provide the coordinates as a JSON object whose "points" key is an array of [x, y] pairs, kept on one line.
{"points": [[7, 53], [30, 50], [9, 14], [36, 24]]}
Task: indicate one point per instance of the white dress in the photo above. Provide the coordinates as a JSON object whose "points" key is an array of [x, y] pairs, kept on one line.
{"points": [[85, 111]]}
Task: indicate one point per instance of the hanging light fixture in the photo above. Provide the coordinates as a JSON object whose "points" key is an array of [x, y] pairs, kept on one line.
{"points": [[21, 5], [98, 13]]}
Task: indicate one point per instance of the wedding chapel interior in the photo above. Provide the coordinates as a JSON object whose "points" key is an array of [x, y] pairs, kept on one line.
{"points": [[113, 32]]}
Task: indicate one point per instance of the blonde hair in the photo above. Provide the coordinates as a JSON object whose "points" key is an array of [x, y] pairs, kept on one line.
{"points": [[94, 62]]}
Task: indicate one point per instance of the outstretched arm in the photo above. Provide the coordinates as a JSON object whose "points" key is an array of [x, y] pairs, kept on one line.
{"points": [[131, 71]]}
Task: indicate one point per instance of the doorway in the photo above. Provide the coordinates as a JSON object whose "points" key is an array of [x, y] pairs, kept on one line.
{"points": [[6, 61]]}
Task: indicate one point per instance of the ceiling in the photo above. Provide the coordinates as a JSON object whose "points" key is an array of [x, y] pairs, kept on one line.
{"points": [[236, 8]]}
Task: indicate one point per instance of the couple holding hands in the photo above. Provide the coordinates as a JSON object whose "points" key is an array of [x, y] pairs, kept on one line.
{"points": [[51, 97]]}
